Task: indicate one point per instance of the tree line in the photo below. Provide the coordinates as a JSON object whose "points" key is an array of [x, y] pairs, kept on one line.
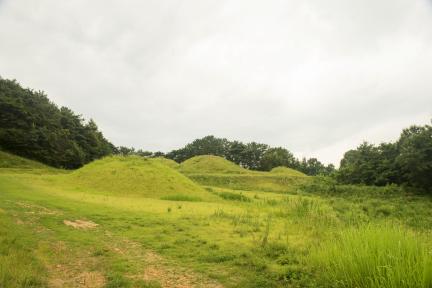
{"points": [[253, 156], [33, 127], [407, 161]]}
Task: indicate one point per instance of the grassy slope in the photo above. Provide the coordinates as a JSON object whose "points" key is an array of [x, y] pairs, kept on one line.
{"points": [[168, 162], [210, 164], [135, 176], [287, 171], [216, 171], [14, 164], [271, 240]]}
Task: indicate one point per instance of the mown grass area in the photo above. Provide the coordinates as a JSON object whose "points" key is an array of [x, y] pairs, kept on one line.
{"points": [[319, 235]]}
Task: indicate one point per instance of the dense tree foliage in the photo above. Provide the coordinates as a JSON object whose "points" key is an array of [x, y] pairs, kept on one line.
{"points": [[274, 157], [34, 127], [254, 156], [407, 161], [208, 145], [313, 166]]}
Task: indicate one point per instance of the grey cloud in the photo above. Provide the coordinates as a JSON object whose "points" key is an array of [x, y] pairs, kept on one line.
{"points": [[314, 76]]}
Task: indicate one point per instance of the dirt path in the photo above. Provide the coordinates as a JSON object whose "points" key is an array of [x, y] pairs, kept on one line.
{"points": [[81, 268], [157, 268]]}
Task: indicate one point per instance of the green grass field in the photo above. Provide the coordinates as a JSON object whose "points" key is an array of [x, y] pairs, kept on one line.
{"points": [[134, 222]]}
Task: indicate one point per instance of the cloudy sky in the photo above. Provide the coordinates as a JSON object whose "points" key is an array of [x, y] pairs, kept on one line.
{"points": [[317, 77]]}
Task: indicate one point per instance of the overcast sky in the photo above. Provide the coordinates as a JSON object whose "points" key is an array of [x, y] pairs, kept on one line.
{"points": [[317, 77]]}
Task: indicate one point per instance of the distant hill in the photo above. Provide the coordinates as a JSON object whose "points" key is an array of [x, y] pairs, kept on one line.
{"points": [[136, 176], [210, 164]]}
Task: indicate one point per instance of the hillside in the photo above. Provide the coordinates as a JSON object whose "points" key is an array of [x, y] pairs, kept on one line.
{"points": [[216, 171], [136, 176], [8, 160], [168, 162], [264, 181], [287, 171], [210, 164], [13, 163]]}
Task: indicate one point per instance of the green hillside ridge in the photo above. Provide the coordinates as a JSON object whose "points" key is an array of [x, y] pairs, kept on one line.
{"points": [[210, 164], [216, 171], [136, 176], [168, 162], [287, 171], [264, 181], [8, 160], [13, 163]]}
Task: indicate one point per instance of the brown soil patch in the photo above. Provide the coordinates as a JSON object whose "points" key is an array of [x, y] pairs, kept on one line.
{"points": [[81, 224], [70, 271], [37, 209], [158, 269], [173, 277], [92, 279]]}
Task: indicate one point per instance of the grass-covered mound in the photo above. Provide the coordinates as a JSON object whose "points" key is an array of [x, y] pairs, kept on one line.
{"points": [[210, 164], [263, 181], [8, 160], [281, 170], [167, 162], [135, 176], [10, 163], [216, 171]]}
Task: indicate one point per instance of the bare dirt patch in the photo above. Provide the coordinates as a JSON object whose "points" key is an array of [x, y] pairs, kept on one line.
{"points": [[163, 271], [70, 271], [174, 277], [37, 209], [93, 279], [81, 224], [170, 275]]}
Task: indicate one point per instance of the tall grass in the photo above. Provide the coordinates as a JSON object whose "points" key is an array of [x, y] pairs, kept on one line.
{"points": [[234, 196], [375, 257]]}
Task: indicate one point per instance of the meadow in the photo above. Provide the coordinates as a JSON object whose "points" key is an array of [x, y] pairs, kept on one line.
{"points": [[137, 222]]}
